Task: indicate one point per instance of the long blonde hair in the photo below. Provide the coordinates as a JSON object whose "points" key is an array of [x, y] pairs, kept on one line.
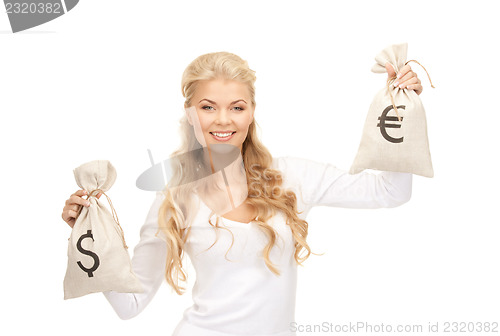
{"points": [[173, 215]]}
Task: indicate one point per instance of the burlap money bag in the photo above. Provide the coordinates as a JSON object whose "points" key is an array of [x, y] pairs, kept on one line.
{"points": [[98, 258], [395, 131]]}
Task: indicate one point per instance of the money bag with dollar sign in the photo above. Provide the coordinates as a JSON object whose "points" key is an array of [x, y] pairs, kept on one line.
{"points": [[395, 131], [98, 258]]}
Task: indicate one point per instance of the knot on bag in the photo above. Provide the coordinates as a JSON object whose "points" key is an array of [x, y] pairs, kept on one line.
{"points": [[393, 78], [396, 56], [94, 194], [96, 177]]}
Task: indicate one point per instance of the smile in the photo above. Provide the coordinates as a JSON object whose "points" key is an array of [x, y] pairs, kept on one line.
{"points": [[222, 136]]}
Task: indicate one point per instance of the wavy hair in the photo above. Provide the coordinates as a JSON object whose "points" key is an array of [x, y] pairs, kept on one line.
{"points": [[174, 216]]}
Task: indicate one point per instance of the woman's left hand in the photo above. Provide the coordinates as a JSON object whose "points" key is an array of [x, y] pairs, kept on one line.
{"points": [[406, 78]]}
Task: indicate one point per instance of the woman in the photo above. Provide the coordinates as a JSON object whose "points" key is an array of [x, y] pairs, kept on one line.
{"points": [[245, 252]]}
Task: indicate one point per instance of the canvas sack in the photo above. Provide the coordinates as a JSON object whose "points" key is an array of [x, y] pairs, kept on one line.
{"points": [[395, 131], [98, 258]]}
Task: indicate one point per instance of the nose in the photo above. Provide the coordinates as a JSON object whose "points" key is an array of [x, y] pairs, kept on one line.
{"points": [[223, 117]]}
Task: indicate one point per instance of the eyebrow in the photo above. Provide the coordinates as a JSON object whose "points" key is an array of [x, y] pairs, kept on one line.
{"points": [[212, 102]]}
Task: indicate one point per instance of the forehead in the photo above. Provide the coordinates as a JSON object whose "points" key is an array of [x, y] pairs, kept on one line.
{"points": [[221, 90]]}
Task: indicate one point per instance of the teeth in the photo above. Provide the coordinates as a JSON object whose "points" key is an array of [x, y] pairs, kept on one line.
{"points": [[223, 135]]}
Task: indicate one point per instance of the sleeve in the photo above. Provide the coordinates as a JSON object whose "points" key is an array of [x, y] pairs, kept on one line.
{"points": [[322, 184], [148, 264]]}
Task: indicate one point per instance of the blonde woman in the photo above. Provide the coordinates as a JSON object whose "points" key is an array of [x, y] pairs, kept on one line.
{"points": [[245, 251]]}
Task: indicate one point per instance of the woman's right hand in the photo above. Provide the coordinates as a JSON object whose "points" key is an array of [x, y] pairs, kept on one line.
{"points": [[73, 206]]}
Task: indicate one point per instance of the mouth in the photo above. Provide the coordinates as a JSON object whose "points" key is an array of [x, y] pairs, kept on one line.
{"points": [[222, 136]]}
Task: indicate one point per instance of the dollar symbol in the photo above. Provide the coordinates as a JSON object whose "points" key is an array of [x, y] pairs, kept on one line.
{"points": [[87, 252], [383, 118]]}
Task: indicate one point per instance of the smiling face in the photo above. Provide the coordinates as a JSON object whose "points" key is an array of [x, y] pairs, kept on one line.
{"points": [[224, 110]]}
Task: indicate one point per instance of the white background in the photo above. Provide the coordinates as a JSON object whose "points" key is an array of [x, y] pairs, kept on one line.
{"points": [[103, 82]]}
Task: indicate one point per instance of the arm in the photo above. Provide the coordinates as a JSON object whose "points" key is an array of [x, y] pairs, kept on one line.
{"points": [[148, 264], [322, 184]]}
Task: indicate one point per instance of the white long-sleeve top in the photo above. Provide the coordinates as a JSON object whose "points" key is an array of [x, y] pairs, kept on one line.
{"points": [[236, 294]]}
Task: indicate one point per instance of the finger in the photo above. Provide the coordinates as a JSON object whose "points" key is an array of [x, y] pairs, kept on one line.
{"points": [[412, 80], [390, 70], [78, 200], [412, 84], [68, 215], [403, 71], [69, 221], [80, 192], [418, 88], [99, 195], [74, 207], [408, 76]]}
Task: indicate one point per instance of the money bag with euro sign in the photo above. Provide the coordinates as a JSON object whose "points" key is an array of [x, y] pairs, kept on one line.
{"points": [[98, 258], [395, 131]]}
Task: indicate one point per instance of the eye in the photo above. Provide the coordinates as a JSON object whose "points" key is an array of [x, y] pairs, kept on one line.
{"points": [[239, 108], [207, 107]]}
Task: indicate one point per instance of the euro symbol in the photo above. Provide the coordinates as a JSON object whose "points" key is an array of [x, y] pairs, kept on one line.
{"points": [[382, 124]]}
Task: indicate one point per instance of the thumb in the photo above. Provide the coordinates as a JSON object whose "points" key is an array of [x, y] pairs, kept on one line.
{"points": [[390, 70], [99, 195]]}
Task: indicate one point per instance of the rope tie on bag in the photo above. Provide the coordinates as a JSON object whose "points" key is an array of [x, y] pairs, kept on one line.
{"points": [[390, 80], [115, 216]]}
